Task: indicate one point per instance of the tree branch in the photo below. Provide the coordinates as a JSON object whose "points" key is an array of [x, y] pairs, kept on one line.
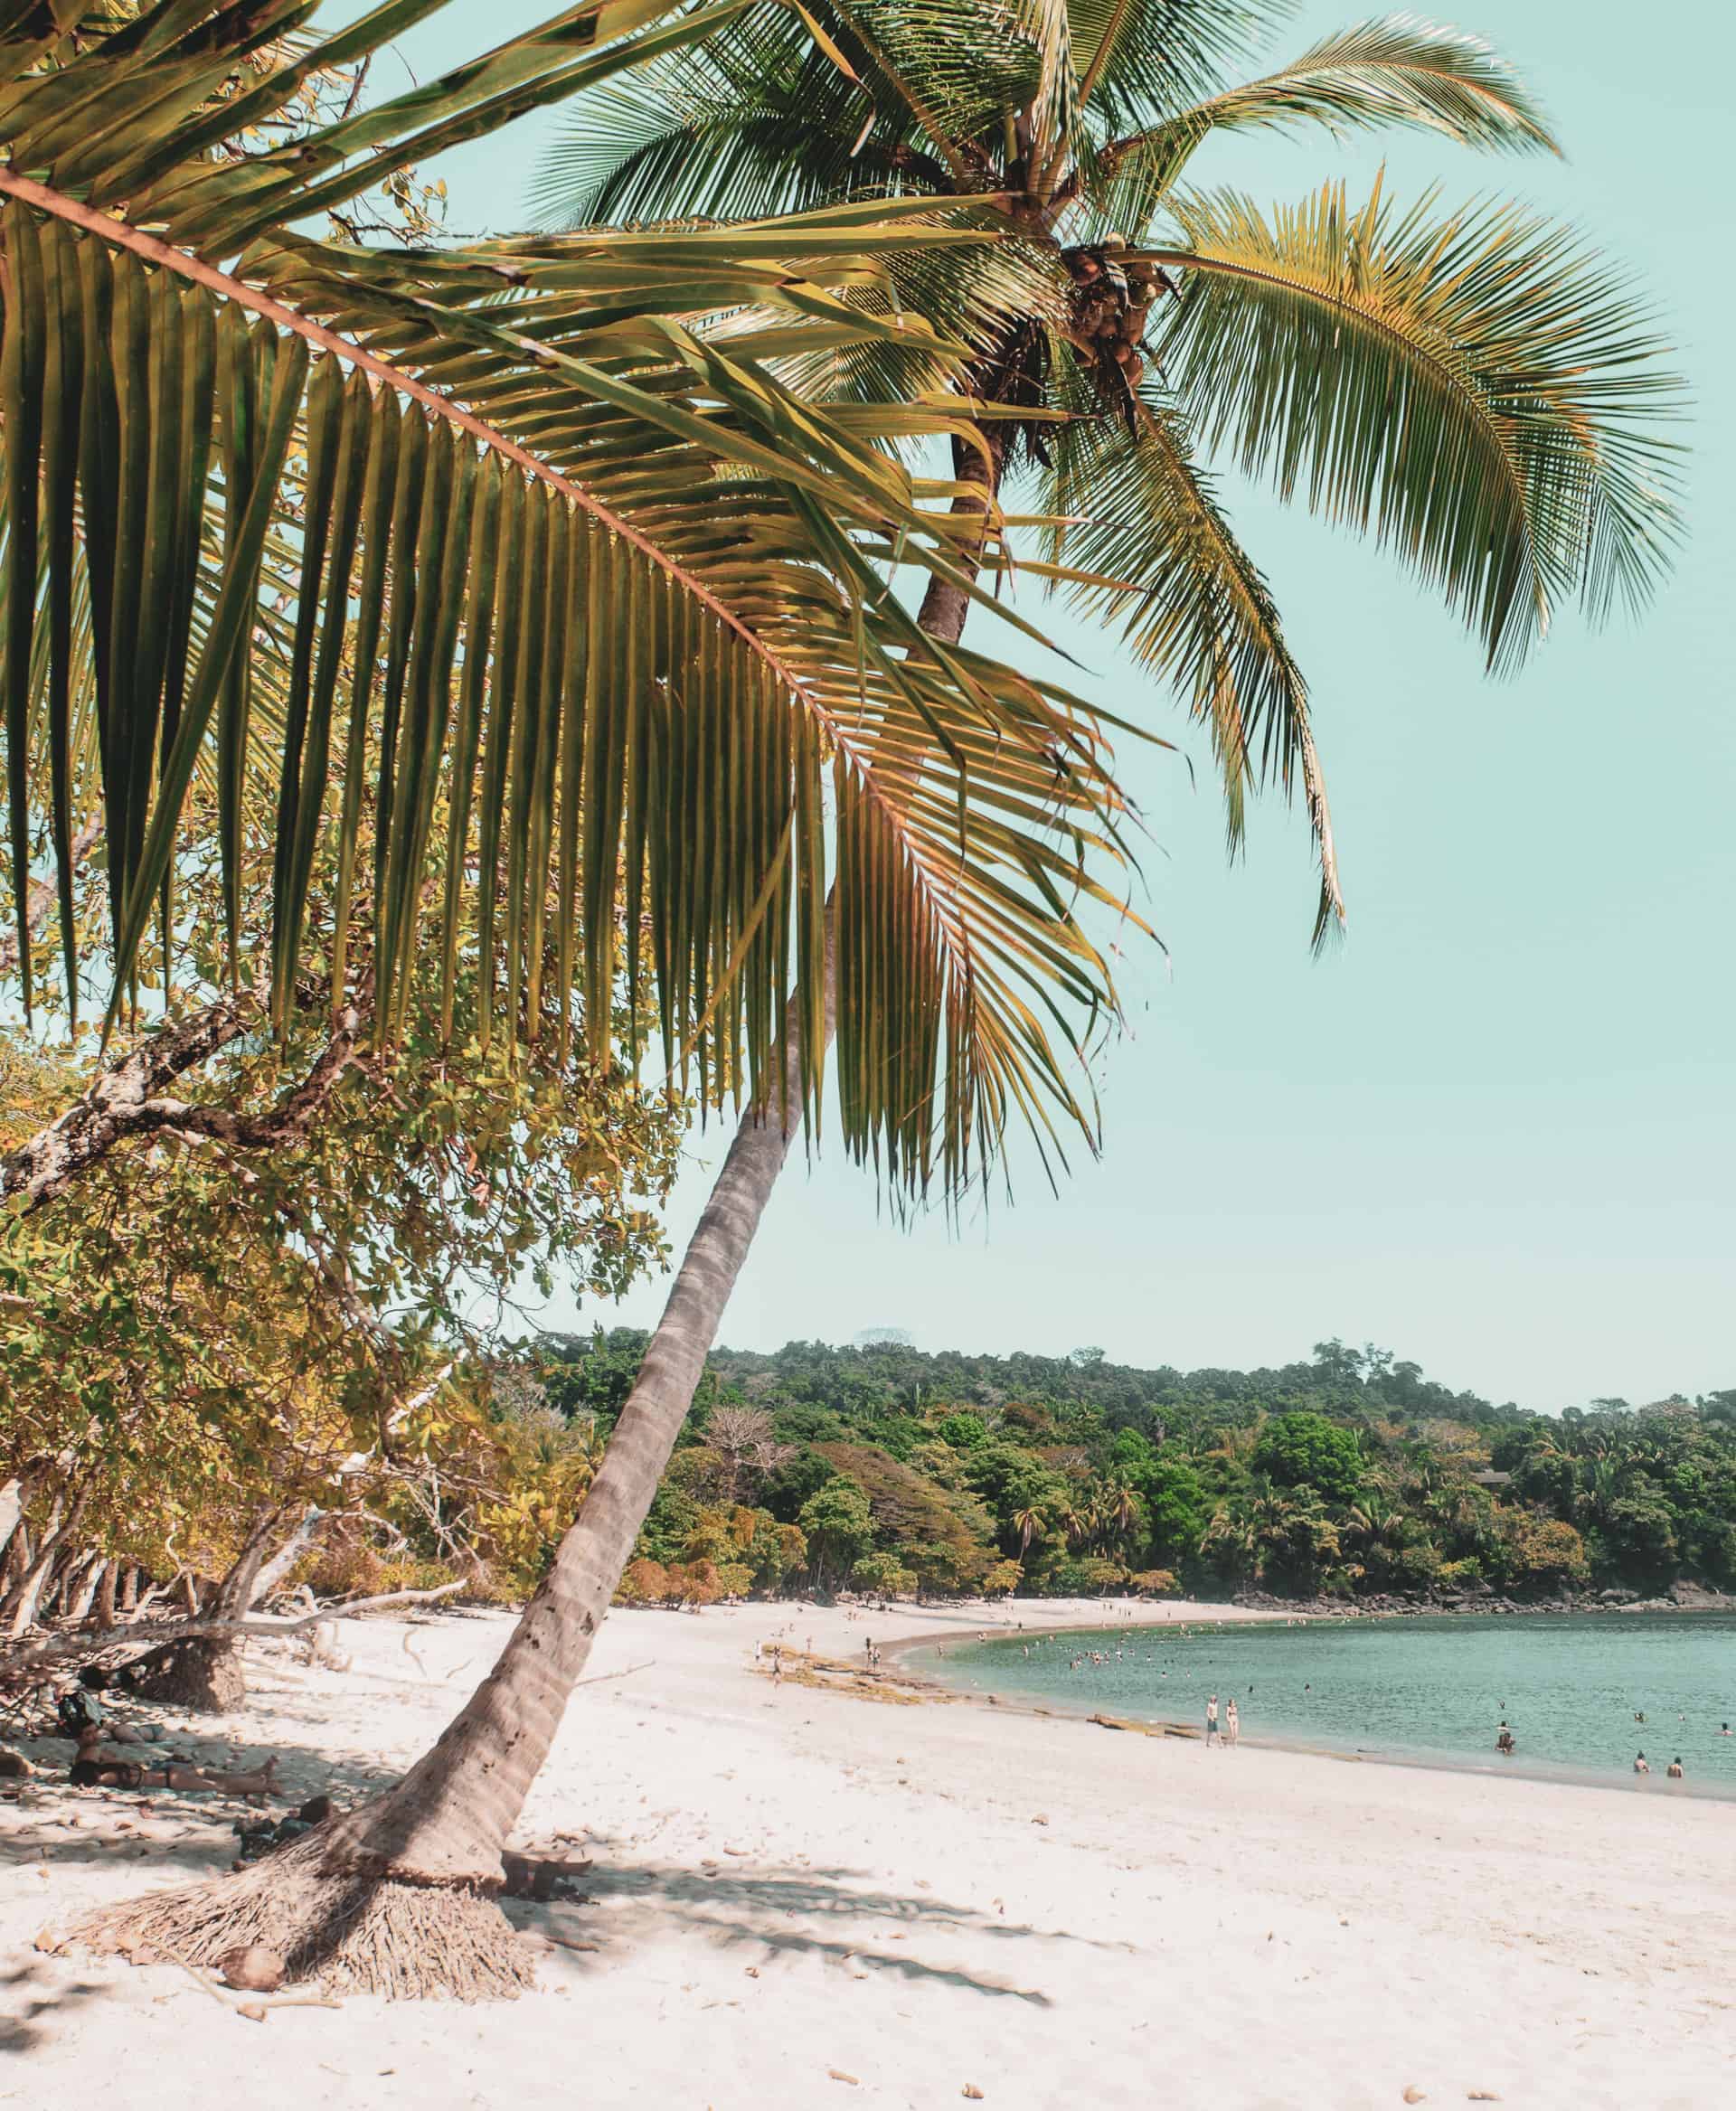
{"points": [[129, 1100], [52, 1648]]}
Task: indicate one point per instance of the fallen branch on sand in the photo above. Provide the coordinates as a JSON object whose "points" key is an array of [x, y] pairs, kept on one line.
{"points": [[1144, 1729], [51, 1648]]}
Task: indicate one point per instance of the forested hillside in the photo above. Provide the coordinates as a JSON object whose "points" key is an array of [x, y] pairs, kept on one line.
{"points": [[886, 1468]]}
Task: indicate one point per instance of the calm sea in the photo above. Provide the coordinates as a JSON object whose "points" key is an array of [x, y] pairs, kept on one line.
{"points": [[1424, 1690]]}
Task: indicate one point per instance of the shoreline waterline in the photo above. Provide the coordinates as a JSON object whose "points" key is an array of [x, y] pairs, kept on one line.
{"points": [[977, 1670]]}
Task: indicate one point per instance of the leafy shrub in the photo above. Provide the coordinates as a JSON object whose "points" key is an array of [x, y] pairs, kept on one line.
{"points": [[884, 1575]]}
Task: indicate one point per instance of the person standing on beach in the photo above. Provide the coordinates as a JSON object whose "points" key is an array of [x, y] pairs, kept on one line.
{"points": [[1232, 1722], [1212, 1730]]}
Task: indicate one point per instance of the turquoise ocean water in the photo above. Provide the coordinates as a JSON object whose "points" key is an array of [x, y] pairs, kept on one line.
{"points": [[1427, 1690]]}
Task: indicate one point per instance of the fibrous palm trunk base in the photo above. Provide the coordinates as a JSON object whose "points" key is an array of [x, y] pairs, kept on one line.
{"points": [[351, 1932]]}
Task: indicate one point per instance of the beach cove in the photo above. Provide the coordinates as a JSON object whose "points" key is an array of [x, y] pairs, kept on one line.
{"points": [[1581, 1695], [801, 1897]]}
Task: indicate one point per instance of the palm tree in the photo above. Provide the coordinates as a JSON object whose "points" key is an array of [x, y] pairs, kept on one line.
{"points": [[1030, 1524], [1471, 386], [490, 534], [1232, 1539], [1113, 1509]]}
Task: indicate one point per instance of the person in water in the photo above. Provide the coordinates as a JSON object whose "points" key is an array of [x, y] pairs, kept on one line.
{"points": [[1673, 1772], [1725, 1732], [1640, 1765], [1503, 1740]]}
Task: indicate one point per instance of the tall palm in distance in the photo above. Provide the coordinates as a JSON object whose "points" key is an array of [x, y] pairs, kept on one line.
{"points": [[1471, 386]]}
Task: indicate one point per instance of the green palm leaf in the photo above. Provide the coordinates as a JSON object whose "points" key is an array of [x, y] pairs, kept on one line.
{"points": [[1394, 70], [1471, 388], [1146, 543]]}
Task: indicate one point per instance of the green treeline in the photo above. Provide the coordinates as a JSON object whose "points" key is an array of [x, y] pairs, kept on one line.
{"points": [[888, 1469]]}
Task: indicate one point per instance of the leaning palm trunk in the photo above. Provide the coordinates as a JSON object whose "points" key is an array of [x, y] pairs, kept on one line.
{"points": [[397, 1898]]}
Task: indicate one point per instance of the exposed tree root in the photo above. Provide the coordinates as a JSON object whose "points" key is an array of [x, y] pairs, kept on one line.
{"points": [[201, 1674], [351, 1932]]}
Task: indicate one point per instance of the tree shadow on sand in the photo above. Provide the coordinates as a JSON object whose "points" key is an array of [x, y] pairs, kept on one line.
{"points": [[28, 1995], [50, 1820], [765, 1910]]}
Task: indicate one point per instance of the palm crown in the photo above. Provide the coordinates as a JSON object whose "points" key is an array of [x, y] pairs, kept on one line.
{"points": [[1471, 386]]}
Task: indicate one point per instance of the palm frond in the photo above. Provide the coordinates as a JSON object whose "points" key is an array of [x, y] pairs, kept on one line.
{"points": [[1136, 61], [1476, 389], [781, 109], [1394, 70], [1146, 543], [535, 555]]}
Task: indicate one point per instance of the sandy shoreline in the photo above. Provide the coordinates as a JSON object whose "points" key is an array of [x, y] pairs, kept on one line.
{"points": [[800, 1898], [1195, 1615]]}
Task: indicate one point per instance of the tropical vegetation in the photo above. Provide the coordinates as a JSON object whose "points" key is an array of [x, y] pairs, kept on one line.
{"points": [[446, 683], [1350, 1475]]}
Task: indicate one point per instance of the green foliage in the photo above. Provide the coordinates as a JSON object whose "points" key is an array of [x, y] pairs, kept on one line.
{"points": [[1302, 1450], [1352, 1473], [838, 1527], [963, 1432], [883, 1576]]}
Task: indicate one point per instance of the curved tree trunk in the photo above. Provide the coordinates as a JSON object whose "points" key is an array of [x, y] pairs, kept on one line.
{"points": [[449, 1820], [267, 1577], [21, 1609], [203, 1672], [945, 606], [80, 1588], [396, 1899]]}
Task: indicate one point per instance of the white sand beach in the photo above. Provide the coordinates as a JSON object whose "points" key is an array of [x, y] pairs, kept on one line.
{"points": [[800, 1898]]}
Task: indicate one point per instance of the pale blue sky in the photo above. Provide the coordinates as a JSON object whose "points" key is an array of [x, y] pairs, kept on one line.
{"points": [[1491, 1129]]}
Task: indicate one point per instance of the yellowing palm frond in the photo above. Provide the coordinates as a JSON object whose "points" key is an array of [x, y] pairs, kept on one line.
{"points": [[590, 597]]}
